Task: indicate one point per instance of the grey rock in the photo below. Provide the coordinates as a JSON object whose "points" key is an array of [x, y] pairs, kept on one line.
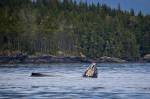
{"points": [[146, 58], [111, 59]]}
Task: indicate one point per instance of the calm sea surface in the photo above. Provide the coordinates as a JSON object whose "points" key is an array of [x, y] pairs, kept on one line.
{"points": [[115, 81]]}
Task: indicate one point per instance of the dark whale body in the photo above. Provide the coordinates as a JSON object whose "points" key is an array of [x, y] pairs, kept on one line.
{"points": [[38, 75]]}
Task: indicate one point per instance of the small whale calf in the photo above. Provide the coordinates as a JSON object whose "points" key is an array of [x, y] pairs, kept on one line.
{"points": [[91, 71]]}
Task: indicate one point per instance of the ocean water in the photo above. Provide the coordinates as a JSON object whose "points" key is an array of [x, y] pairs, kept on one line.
{"points": [[115, 81]]}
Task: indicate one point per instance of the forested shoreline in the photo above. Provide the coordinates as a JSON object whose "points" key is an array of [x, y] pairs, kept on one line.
{"points": [[57, 27]]}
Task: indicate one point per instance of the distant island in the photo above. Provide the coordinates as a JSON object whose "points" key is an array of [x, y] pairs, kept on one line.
{"points": [[33, 31]]}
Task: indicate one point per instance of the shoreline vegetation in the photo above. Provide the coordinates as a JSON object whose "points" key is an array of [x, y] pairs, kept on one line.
{"points": [[38, 59], [45, 31]]}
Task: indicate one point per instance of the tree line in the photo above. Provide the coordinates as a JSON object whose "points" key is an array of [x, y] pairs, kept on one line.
{"points": [[53, 26]]}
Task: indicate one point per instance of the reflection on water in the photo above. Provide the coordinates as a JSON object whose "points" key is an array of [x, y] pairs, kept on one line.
{"points": [[118, 81]]}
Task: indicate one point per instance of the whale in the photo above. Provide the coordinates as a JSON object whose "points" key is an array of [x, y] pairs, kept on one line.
{"points": [[38, 74], [35, 74], [91, 71]]}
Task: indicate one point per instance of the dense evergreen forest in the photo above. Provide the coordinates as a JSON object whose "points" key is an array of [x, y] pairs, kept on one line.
{"points": [[66, 27]]}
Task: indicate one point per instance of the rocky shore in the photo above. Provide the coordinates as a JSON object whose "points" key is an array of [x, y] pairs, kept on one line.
{"points": [[24, 58]]}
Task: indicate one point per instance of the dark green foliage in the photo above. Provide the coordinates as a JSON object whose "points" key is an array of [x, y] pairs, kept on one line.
{"points": [[54, 26]]}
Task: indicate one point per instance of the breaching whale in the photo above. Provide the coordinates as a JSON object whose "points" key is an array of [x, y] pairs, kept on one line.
{"points": [[91, 71]]}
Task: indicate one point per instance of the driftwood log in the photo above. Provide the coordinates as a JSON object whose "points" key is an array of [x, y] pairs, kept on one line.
{"points": [[91, 71]]}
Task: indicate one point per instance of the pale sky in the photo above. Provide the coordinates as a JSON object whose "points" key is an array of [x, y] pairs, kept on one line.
{"points": [[137, 5]]}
